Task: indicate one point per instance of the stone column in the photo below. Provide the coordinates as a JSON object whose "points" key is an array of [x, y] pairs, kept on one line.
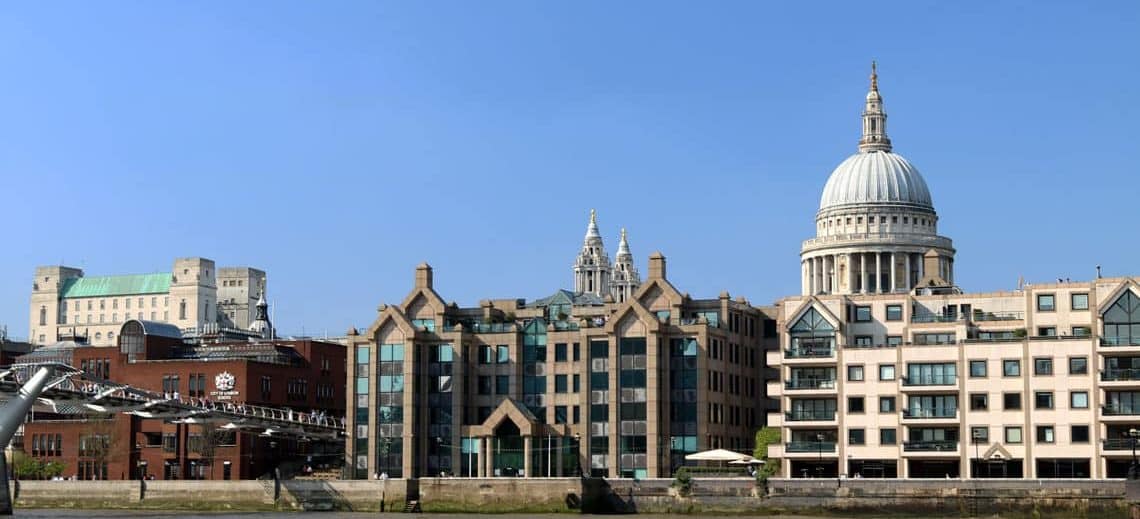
{"points": [[878, 272], [894, 284], [810, 277], [907, 283], [527, 446], [490, 457], [920, 261], [863, 272], [481, 469]]}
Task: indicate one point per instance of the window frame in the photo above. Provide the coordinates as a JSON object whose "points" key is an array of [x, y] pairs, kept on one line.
{"points": [[868, 317], [1005, 402], [1082, 358], [1037, 368], [899, 308], [1037, 403], [862, 373], [1052, 304], [985, 368], [1052, 433], [1020, 434], [985, 403], [1073, 301], [1005, 363], [1072, 402], [894, 374], [862, 404]]}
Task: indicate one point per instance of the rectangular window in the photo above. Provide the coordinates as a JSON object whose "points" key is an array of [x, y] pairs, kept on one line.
{"points": [[977, 369], [502, 384], [1078, 365], [886, 404], [1011, 401], [1043, 366], [560, 384], [1080, 301], [863, 341], [855, 373], [559, 414], [1081, 331], [979, 435], [854, 404], [856, 437], [1047, 331], [1043, 400], [979, 401], [578, 383], [886, 371], [560, 352], [484, 385], [1011, 368], [486, 355], [894, 341], [1045, 303], [862, 314], [1045, 434], [577, 354], [894, 312], [1013, 434], [1079, 400], [888, 436], [1079, 434], [502, 354]]}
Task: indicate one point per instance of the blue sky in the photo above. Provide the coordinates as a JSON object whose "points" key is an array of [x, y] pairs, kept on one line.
{"points": [[338, 144]]}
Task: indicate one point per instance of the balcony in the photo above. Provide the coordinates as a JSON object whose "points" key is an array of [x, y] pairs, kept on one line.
{"points": [[980, 316], [1118, 444], [1119, 374], [1120, 341], [809, 353], [929, 381], [933, 318], [930, 414], [809, 416], [1109, 410], [810, 383], [810, 447], [931, 446]]}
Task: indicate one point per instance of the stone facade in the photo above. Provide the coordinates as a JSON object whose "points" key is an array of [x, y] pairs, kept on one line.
{"points": [[194, 295]]}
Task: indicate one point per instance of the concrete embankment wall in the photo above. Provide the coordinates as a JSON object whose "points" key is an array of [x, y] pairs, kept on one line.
{"points": [[1050, 498]]}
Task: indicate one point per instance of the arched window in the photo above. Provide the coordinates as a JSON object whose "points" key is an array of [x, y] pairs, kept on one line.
{"points": [[1122, 321], [43, 316], [182, 309]]}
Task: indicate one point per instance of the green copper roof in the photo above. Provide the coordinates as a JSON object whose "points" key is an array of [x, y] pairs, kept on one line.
{"points": [[102, 286]]}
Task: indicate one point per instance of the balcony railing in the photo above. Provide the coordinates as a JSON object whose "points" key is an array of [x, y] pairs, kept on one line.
{"points": [[931, 446], [1118, 444], [1118, 374], [1110, 410], [930, 381], [1120, 341], [809, 416], [933, 318], [809, 353], [998, 316], [808, 383], [946, 412], [810, 447]]}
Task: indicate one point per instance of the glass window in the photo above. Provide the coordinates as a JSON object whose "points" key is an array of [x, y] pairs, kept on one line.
{"points": [[1011, 401], [977, 368], [1079, 434], [979, 434], [1043, 400], [560, 384], [1079, 400], [1045, 302], [856, 436], [1011, 368], [1013, 434], [1047, 331], [502, 354], [855, 373], [1080, 301], [862, 314], [1045, 434], [888, 436], [979, 401], [1043, 366], [854, 404], [886, 371], [1078, 365], [894, 341], [502, 384], [863, 341], [894, 312], [886, 404], [1081, 331], [560, 352], [1122, 321]]}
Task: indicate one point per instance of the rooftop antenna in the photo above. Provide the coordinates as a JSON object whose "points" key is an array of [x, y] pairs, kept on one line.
{"points": [[1098, 271]]}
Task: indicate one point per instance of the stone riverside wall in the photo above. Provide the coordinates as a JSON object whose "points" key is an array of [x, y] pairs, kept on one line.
{"points": [[1049, 498]]}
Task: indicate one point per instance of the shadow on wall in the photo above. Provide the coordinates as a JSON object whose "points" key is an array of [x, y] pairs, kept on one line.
{"points": [[598, 497]]}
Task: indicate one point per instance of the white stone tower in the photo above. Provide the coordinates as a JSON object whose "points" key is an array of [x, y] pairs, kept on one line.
{"points": [[876, 229], [624, 278], [592, 267]]}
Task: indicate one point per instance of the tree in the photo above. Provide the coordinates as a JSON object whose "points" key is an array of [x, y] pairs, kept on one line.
{"points": [[100, 443], [765, 437], [27, 467], [213, 436]]}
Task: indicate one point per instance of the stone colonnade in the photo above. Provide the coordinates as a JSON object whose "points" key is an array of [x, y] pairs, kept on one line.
{"points": [[825, 274]]}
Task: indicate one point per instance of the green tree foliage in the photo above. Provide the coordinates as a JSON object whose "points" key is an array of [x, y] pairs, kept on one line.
{"points": [[765, 437], [27, 467]]}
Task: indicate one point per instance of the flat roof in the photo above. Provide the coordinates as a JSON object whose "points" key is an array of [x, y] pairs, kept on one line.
{"points": [[104, 286]]}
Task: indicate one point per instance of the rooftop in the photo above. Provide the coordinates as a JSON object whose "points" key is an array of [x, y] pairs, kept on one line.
{"points": [[103, 286]]}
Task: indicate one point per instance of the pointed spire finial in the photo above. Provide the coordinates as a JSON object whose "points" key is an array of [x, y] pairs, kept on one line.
{"points": [[593, 217], [592, 229], [874, 77]]}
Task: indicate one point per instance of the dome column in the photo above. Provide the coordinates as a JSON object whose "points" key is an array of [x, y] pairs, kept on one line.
{"points": [[894, 270], [863, 272], [909, 257], [878, 272]]}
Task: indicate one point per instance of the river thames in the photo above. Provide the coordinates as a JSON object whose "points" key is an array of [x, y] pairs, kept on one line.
{"points": [[142, 514]]}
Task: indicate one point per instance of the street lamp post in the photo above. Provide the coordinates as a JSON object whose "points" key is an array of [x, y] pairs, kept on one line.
{"points": [[819, 444], [578, 454], [438, 448], [977, 436]]}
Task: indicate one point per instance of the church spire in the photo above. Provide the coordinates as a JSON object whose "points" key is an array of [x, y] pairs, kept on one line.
{"points": [[592, 229], [592, 267], [623, 246], [874, 119], [625, 280]]}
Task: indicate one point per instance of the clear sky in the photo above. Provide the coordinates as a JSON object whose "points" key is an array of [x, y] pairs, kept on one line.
{"points": [[338, 144]]}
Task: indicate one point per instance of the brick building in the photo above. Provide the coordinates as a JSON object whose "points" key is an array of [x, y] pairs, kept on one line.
{"points": [[303, 375]]}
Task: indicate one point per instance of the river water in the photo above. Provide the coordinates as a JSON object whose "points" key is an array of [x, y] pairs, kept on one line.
{"points": [[149, 514]]}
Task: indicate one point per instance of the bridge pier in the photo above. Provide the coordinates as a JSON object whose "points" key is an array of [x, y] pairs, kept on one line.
{"points": [[11, 418]]}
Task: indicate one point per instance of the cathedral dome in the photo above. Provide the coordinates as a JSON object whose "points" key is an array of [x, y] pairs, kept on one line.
{"points": [[876, 177]]}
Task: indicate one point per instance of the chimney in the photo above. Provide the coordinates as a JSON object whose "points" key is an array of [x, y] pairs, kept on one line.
{"points": [[657, 265], [423, 276]]}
